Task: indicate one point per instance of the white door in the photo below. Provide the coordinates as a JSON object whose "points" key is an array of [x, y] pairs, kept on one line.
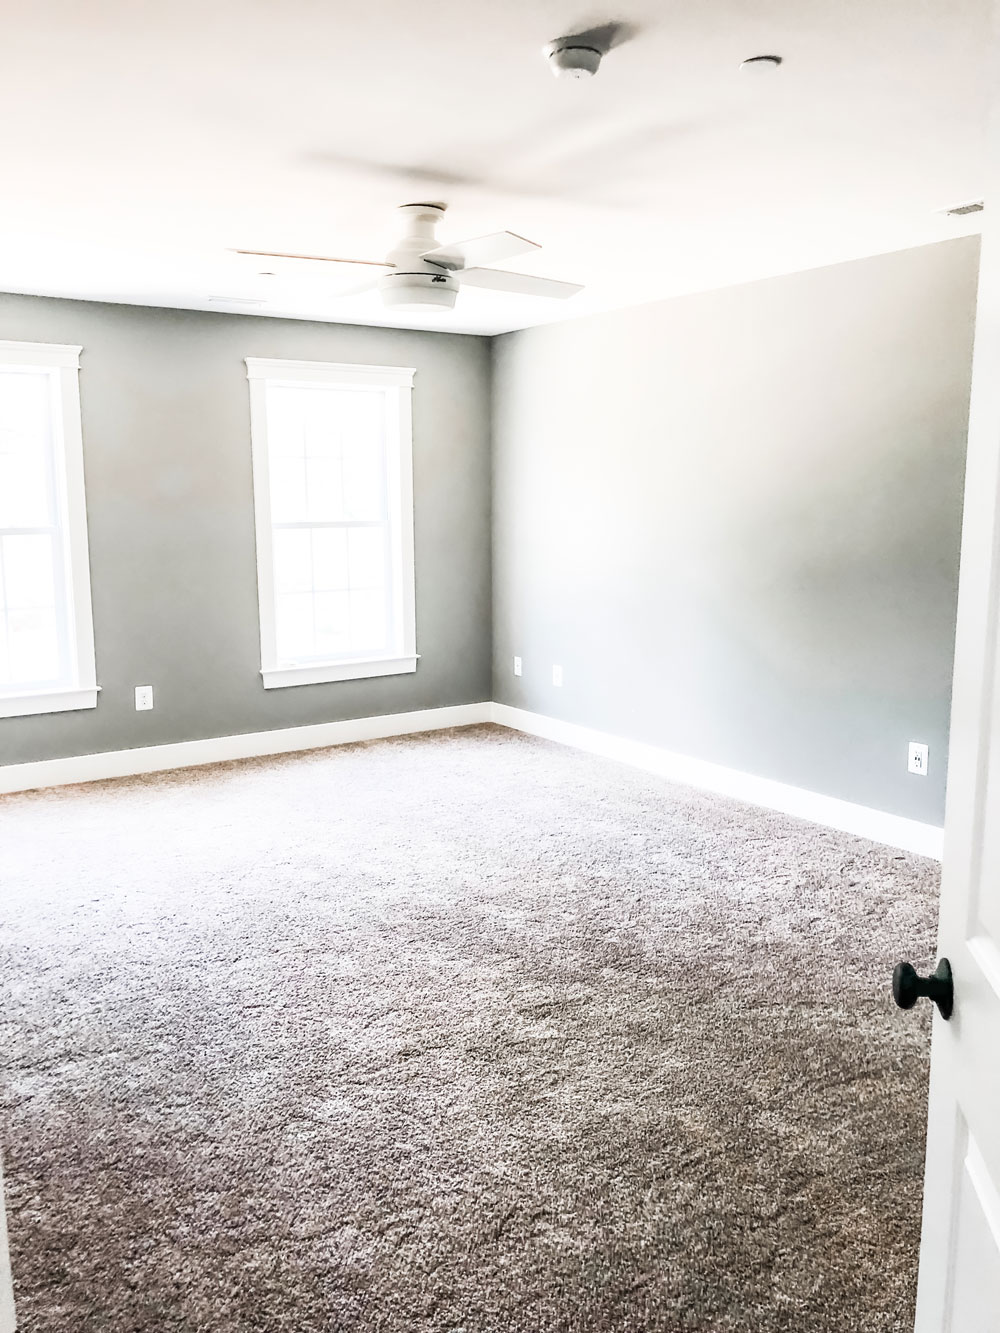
{"points": [[959, 1287]]}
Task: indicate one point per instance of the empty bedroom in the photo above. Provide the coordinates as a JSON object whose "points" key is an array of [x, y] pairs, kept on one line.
{"points": [[499, 598]]}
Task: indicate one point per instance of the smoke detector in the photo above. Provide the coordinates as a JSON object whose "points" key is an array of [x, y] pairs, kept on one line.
{"points": [[569, 59]]}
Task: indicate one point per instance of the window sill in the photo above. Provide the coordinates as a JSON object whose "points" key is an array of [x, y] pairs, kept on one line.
{"points": [[320, 673], [48, 701]]}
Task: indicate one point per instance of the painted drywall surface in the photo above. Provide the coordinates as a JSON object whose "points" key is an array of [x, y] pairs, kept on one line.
{"points": [[733, 519], [166, 434]]}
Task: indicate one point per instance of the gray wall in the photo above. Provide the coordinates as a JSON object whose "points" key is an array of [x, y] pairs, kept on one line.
{"points": [[169, 501], [733, 519]]}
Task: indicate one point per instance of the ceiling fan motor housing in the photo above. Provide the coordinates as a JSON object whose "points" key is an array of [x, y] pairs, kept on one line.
{"points": [[413, 280], [418, 289]]}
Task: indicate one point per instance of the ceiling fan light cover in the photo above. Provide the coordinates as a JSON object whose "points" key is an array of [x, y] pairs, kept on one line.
{"points": [[416, 290]]}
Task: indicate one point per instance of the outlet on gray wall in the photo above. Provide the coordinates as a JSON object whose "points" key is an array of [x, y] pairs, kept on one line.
{"points": [[734, 519], [166, 432]]}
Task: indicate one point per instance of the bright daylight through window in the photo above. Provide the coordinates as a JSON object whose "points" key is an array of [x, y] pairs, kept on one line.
{"points": [[46, 631], [334, 505]]}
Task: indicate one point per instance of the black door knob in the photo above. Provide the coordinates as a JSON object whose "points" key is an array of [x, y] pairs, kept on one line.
{"points": [[908, 987]]}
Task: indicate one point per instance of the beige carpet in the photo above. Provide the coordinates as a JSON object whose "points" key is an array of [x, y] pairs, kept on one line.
{"points": [[463, 1033]]}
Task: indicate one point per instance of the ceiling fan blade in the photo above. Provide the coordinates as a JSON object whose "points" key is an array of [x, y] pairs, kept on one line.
{"points": [[523, 284], [322, 259], [492, 249]]}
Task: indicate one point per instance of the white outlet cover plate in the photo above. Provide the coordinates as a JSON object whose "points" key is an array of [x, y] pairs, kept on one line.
{"points": [[143, 698], [917, 758], [557, 678], [517, 666]]}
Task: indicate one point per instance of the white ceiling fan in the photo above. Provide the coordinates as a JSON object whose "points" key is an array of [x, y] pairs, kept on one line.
{"points": [[422, 272]]}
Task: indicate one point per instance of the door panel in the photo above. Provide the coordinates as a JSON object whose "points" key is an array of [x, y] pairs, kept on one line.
{"points": [[975, 1299], [959, 1286]]}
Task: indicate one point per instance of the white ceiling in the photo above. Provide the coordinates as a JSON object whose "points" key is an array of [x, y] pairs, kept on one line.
{"points": [[143, 140]]}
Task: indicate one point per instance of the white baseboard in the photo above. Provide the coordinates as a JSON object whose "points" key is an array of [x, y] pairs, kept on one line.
{"points": [[189, 754], [908, 834]]}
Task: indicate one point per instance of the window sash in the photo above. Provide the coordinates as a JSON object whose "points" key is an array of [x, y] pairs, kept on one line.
{"points": [[389, 636], [73, 683], [63, 677], [397, 650]]}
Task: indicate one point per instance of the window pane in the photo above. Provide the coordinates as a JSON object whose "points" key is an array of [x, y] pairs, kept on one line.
{"points": [[25, 429], [366, 415], [294, 616], [325, 422], [367, 551], [325, 489], [24, 494], [33, 646], [326, 454], [368, 621], [364, 479], [333, 628], [288, 490], [292, 560], [27, 571], [330, 568], [285, 425]]}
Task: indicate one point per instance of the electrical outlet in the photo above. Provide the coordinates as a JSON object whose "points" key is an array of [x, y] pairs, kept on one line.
{"points": [[557, 675], [143, 698], [917, 759], [517, 666]]}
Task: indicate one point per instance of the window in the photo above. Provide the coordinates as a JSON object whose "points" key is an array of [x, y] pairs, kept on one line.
{"points": [[334, 503], [46, 629]]}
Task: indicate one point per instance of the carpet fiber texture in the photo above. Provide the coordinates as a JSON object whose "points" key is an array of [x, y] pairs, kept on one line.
{"points": [[464, 1032]]}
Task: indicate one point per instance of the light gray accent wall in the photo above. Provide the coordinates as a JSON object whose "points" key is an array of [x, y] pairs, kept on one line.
{"points": [[733, 519], [166, 433]]}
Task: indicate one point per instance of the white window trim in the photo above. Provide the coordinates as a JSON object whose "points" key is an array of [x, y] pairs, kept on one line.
{"points": [[72, 500], [260, 372]]}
